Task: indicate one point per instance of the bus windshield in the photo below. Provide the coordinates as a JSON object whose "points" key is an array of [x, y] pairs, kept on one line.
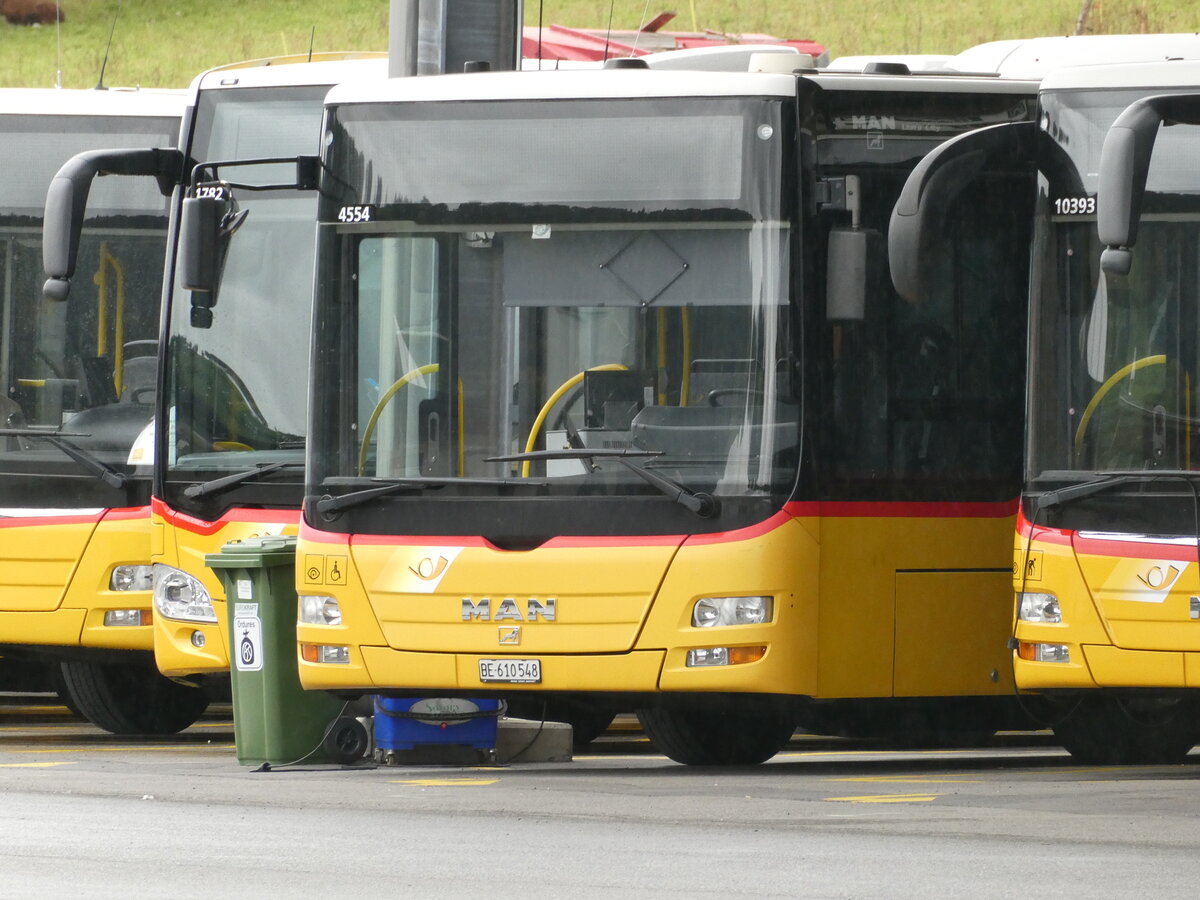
{"points": [[228, 407], [557, 296], [1114, 364], [85, 369]]}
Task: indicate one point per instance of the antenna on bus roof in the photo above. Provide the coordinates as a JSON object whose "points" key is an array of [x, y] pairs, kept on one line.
{"points": [[312, 35], [608, 33], [100, 84], [541, 9]]}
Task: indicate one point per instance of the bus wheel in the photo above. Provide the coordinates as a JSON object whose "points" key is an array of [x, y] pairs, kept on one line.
{"points": [[1116, 731], [131, 698], [705, 737]]}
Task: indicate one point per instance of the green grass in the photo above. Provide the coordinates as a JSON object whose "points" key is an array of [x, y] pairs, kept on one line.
{"points": [[163, 43]]}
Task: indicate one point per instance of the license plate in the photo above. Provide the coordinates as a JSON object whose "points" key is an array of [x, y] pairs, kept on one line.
{"points": [[511, 671]]}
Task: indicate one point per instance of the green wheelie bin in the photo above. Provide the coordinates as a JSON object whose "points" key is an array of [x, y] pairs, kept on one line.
{"points": [[275, 720]]}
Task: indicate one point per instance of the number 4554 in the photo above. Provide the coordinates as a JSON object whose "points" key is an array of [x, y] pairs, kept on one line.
{"points": [[352, 214]]}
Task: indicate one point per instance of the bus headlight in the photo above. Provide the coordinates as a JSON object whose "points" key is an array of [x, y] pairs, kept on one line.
{"points": [[131, 578], [1035, 607], [711, 612], [1052, 653], [723, 656], [318, 610], [177, 595], [330, 654]]}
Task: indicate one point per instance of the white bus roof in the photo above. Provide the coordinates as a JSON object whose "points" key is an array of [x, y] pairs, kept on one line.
{"points": [[565, 85], [1036, 57], [90, 102], [294, 71], [1170, 74], [916, 62]]}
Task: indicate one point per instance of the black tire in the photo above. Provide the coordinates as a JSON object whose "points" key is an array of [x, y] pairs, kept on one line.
{"points": [[347, 741], [131, 698], [60, 688], [1116, 731], [702, 737]]}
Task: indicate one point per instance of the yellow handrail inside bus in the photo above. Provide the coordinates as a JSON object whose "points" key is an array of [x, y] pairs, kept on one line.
{"points": [[685, 324], [100, 279], [1111, 382], [387, 395], [554, 398]]}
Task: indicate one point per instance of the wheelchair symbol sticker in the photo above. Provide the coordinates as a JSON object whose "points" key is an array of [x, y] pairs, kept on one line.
{"points": [[247, 633]]}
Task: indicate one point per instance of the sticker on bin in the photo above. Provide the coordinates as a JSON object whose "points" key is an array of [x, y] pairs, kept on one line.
{"points": [[247, 637], [511, 671], [245, 589]]}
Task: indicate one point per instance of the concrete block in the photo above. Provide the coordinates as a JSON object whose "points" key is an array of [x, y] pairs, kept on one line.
{"points": [[525, 741]]}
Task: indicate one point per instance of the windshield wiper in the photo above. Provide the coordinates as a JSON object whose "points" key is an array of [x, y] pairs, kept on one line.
{"points": [[224, 483], [699, 502], [1103, 482], [329, 506], [89, 461]]}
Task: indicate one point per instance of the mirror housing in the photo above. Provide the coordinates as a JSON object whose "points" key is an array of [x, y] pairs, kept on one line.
{"points": [[199, 233], [66, 203], [933, 185], [1124, 168], [849, 262]]}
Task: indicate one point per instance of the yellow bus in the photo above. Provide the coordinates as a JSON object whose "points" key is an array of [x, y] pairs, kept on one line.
{"points": [[227, 463], [77, 385], [1107, 586], [613, 407], [1103, 593]]}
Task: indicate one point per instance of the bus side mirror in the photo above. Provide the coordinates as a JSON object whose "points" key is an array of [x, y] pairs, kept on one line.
{"points": [[60, 241], [66, 202], [205, 226], [932, 186], [1124, 167], [851, 258], [199, 233]]}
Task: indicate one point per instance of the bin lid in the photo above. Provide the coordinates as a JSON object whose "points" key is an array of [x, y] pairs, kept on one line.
{"points": [[263, 552]]}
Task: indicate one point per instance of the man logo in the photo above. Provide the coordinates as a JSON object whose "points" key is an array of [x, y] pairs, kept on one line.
{"points": [[509, 610], [510, 635]]}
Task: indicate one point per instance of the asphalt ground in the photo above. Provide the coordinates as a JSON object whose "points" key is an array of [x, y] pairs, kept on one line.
{"points": [[88, 814]]}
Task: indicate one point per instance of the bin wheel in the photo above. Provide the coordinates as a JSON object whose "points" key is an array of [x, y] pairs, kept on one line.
{"points": [[347, 741], [131, 698]]}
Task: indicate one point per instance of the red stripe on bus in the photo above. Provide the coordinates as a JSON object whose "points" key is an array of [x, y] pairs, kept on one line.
{"points": [[204, 527], [1119, 549], [815, 509]]}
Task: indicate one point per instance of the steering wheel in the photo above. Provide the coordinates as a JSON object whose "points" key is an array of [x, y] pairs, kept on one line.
{"points": [[383, 401], [1105, 389], [536, 429]]}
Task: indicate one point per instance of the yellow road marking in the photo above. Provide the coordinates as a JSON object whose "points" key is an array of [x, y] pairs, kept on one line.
{"points": [[886, 798], [34, 765], [444, 782]]}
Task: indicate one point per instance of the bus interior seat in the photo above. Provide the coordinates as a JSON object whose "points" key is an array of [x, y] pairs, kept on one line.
{"points": [[688, 432], [139, 378]]}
